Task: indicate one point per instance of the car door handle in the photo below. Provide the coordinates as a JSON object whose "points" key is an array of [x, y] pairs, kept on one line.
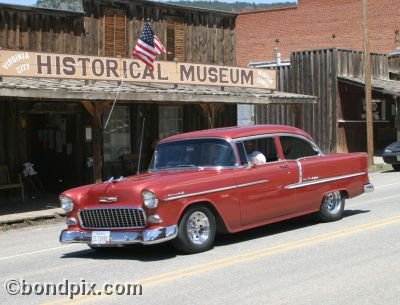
{"points": [[284, 166]]}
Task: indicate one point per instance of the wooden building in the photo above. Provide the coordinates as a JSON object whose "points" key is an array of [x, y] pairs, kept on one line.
{"points": [[336, 76], [61, 122]]}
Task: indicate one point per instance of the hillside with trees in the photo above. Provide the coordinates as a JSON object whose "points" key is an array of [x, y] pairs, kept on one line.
{"points": [[232, 7], [76, 5]]}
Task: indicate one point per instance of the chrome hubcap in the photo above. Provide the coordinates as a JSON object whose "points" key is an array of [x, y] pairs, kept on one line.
{"points": [[198, 228], [333, 202]]}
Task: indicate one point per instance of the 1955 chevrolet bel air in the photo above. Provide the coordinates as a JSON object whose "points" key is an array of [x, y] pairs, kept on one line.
{"points": [[217, 180]]}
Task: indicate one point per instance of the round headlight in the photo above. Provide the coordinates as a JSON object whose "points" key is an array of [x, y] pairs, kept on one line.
{"points": [[66, 203], [150, 199]]}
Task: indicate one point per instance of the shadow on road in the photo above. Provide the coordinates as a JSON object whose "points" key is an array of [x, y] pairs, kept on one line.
{"points": [[348, 213], [277, 228], [135, 252], [389, 171], [166, 251]]}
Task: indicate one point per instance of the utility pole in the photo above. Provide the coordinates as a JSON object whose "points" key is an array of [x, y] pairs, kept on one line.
{"points": [[367, 78]]}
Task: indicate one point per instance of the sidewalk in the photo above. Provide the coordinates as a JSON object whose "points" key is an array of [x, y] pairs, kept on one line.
{"points": [[14, 211]]}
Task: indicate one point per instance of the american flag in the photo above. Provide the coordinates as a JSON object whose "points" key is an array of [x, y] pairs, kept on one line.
{"points": [[148, 46]]}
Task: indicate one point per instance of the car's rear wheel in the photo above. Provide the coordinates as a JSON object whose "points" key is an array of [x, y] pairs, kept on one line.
{"points": [[396, 167], [332, 207], [196, 230]]}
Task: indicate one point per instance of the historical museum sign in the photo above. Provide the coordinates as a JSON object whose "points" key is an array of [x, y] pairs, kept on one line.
{"points": [[51, 65]]}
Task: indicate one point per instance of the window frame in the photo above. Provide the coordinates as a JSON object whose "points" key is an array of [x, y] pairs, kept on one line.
{"points": [[177, 120], [172, 25], [305, 139], [116, 12], [241, 146], [109, 150], [231, 143]]}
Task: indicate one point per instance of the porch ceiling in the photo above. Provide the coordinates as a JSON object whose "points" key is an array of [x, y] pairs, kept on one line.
{"points": [[79, 90], [391, 87]]}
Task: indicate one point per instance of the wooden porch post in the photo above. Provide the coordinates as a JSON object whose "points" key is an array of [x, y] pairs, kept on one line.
{"points": [[210, 112], [96, 110], [96, 143]]}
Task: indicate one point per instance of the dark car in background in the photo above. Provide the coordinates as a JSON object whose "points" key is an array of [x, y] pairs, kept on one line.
{"points": [[391, 155]]}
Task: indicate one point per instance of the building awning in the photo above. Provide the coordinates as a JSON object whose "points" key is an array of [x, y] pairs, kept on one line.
{"points": [[73, 90], [390, 87]]}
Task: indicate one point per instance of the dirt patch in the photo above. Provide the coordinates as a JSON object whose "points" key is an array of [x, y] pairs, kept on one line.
{"points": [[32, 222]]}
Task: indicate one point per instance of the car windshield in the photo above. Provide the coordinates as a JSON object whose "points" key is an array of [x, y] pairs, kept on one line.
{"points": [[193, 153]]}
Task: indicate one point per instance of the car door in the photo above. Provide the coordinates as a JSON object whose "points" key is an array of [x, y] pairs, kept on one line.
{"points": [[261, 187], [311, 165]]}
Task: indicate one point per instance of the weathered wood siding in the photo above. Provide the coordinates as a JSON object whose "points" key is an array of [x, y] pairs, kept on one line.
{"points": [[38, 30], [394, 66], [351, 64], [312, 73], [209, 37], [315, 73]]}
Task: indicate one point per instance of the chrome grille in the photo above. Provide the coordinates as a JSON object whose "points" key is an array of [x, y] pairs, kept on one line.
{"points": [[117, 218]]}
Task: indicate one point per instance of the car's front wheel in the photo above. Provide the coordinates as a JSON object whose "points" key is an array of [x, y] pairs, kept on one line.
{"points": [[332, 207], [196, 230], [396, 167]]}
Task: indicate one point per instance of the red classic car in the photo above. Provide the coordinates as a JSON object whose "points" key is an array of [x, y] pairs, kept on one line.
{"points": [[218, 180]]}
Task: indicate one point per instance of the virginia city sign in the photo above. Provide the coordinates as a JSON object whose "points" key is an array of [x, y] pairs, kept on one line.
{"points": [[51, 65]]}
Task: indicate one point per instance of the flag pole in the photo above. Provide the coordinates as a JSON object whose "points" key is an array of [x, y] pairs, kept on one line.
{"points": [[140, 147], [115, 99]]}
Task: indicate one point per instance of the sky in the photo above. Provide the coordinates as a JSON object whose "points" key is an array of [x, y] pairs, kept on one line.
{"points": [[31, 2]]}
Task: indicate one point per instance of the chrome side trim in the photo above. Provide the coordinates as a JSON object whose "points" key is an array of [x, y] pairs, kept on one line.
{"points": [[117, 238], [251, 183], [319, 181], [300, 171], [215, 190]]}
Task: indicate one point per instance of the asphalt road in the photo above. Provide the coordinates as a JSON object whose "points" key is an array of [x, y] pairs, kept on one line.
{"points": [[353, 261]]}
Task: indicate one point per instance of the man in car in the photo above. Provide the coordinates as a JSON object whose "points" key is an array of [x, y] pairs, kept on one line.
{"points": [[253, 155]]}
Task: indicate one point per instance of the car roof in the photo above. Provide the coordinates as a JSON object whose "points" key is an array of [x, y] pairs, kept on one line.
{"points": [[238, 132]]}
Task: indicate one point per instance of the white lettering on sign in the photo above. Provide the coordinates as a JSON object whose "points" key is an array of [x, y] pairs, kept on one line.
{"points": [[10, 61], [22, 68]]}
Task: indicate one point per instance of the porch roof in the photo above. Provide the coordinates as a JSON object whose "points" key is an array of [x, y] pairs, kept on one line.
{"points": [[391, 87], [51, 89]]}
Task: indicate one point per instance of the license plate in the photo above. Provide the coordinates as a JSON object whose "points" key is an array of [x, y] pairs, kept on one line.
{"points": [[100, 237]]}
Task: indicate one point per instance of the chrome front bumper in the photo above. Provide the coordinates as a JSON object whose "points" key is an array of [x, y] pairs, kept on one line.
{"points": [[368, 188], [145, 237]]}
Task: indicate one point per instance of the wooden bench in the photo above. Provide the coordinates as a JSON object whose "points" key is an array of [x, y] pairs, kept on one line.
{"points": [[6, 182]]}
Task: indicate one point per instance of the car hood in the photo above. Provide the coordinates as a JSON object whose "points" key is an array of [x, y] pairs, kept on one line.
{"points": [[395, 147]]}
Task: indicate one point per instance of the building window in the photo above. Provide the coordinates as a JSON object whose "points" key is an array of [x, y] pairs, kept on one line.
{"points": [[170, 121], [114, 32], [245, 115], [117, 140], [175, 40]]}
